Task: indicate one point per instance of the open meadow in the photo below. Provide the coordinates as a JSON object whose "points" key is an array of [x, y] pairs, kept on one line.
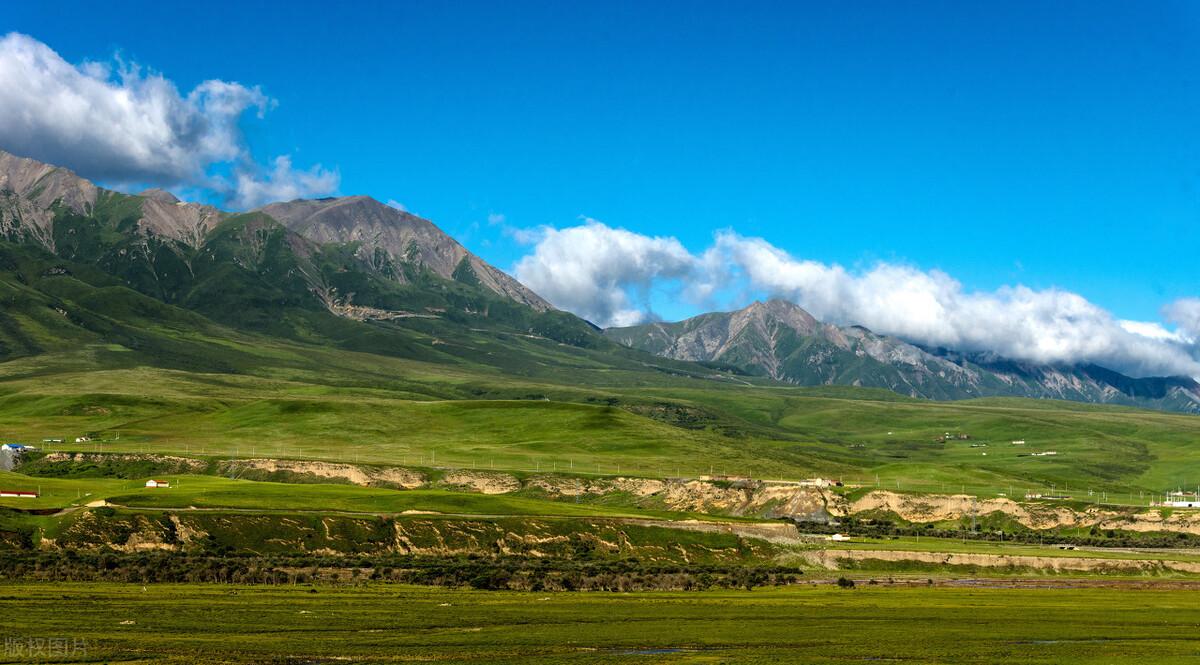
{"points": [[382, 623], [624, 422]]}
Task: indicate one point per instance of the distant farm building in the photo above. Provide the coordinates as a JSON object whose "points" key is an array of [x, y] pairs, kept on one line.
{"points": [[839, 538], [1019, 442], [1044, 453], [818, 482], [15, 447], [157, 483], [18, 494]]}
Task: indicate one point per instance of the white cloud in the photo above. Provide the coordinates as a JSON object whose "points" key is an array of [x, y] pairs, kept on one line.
{"points": [[1153, 330], [393, 203], [119, 124], [590, 270], [931, 307], [593, 269], [1185, 313], [280, 183]]}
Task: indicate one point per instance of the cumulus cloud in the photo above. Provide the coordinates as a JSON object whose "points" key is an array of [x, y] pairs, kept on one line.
{"points": [[117, 123], [1185, 313], [593, 269], [931, 307], [280, 183]]}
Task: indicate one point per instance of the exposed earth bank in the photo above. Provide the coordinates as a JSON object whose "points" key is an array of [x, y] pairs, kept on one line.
{"points": [[743, 498]]}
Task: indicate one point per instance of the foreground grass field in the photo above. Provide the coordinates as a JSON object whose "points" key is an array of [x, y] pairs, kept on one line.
{"points": [[809, 624]]}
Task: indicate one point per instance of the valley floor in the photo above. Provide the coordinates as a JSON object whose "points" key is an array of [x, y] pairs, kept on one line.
{"points": [[949, 622]]}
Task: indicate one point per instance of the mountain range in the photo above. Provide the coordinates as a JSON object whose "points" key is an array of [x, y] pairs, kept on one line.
{"points": [[779, 340], [164, 281]]}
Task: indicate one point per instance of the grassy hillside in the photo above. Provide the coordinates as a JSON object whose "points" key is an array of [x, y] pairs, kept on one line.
{"points": [[296, 401]]}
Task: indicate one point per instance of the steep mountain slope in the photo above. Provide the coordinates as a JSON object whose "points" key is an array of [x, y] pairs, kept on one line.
{"points": [[33, 194], [167, 284], [782, 341], [385, 237], [34, 197]]}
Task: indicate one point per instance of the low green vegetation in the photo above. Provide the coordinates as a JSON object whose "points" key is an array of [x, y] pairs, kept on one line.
{"points": [[215, 492], [382, 623], [428, 415]]}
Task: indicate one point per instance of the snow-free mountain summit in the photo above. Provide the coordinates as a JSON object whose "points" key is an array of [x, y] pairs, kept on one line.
{"points": [[780, 340]]}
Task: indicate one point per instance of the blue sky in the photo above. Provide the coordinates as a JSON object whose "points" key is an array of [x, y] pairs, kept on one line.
{"points": [[1050, 145]]}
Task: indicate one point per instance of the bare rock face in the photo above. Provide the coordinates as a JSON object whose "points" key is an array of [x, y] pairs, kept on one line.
{"points": [[166, 216], [780, 340], [28, 192], [767, 335], [32, 192], [400, 236], [45, 185]]}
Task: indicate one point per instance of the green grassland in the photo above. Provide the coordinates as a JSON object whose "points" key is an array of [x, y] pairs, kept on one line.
{"points": [[1049, 549], [811, 624], [372, 409], [209, 492]]}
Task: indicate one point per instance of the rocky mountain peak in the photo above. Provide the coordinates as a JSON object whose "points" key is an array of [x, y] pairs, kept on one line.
{"points": [[30, 191], [160, 195], [780, 340], [44, 184], [781, 311], [385, 233]]}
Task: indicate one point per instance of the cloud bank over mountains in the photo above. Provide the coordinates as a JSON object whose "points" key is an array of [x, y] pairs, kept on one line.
{"points": [[606, 274], [119, 124]]}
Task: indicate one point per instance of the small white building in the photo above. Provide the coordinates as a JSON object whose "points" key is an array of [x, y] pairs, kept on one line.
{"points": [[839, 538], [817, 482], [1019, 442], [20, 494], [157, 483]]}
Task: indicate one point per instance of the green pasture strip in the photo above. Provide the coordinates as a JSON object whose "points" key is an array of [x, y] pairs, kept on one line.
{"points": [[812, 624]]}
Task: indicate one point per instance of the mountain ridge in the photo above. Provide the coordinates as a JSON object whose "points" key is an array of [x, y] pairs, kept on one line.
{"points": [[782, 341], [385, 235], [31, 192]]}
